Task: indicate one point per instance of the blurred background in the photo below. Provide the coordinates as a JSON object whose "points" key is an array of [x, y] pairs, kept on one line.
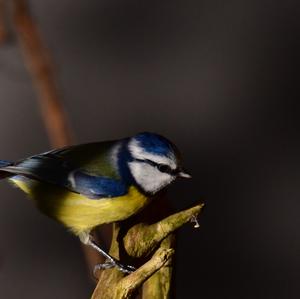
{"points": [[219, 78]]}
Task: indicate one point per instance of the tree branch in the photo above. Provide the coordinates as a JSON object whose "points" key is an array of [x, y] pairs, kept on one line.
{"points": [[39, 64], [142, 238], [159, 285], [134, 243], [127, 285]]}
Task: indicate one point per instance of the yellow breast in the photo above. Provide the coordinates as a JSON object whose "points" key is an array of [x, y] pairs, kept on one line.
{"points": [[78, 212]]}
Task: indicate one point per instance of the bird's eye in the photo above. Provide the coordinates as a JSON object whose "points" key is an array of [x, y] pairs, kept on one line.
{"points": [[163, 168]]}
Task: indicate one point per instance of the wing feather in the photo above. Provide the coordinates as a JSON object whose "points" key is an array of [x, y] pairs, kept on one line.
{"points": [[85, 169]]}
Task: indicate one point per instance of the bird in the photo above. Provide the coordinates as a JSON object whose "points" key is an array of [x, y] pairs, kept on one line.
{"points": [[84, 186]]}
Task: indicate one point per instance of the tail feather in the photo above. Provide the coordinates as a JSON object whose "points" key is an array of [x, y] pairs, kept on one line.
{"points": [[3, 164]]}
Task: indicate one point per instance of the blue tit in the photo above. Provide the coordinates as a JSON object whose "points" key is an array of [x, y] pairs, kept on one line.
{"points": [[84, 186]]}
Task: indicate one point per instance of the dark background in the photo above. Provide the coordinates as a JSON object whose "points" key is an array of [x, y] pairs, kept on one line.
{"points": [[219, 78]]}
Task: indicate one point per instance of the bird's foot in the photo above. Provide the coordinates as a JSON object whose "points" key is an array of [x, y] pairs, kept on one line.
{"points": [[127, 269]]}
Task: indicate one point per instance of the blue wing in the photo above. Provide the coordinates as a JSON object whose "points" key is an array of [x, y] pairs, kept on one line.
{"points": [[55, 170], [96, 186]]}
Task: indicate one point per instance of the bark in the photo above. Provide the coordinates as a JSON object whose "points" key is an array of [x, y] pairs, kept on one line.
{"points": [[150, 247]]}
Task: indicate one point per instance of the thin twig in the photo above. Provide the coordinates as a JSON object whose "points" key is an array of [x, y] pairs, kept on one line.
{"points": [[38, 62]]}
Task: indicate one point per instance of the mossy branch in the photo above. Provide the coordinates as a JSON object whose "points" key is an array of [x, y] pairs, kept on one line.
{"points": [[159, 285], [126, 286], [137, 242], [143, 238]]}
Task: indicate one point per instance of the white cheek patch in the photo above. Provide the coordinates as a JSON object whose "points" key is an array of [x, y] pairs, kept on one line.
{"points": [[139, 153], [148, 177]]}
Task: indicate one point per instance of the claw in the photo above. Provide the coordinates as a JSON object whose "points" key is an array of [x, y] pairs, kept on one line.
{"points": [[112, 262], [123, 268]]}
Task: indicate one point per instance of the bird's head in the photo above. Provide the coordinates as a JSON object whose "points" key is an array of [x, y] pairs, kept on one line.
{"points": [[155, 162]]}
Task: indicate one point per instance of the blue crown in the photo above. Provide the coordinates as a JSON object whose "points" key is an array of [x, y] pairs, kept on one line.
{"points": [[155, 144]]}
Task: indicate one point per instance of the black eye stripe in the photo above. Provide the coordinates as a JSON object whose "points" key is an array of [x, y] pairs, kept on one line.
{"points": [[161, 167]]}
